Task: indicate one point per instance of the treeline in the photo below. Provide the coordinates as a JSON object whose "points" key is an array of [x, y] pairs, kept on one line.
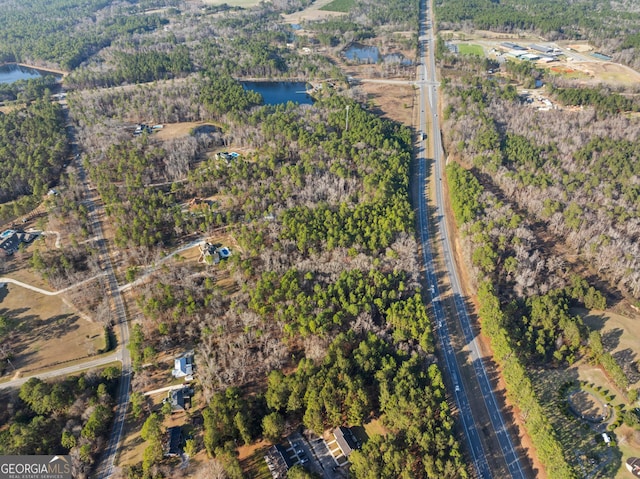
{"points": [[563, 19], [604, 101], [582, 190], [72, 416], [520, 388], [33, 148], [533, 184], [26, 90], [55, 31], [359, 378], [308, 305]]}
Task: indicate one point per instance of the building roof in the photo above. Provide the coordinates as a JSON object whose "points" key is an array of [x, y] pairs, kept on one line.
{"points": [[174, 441], [278, 461], [512, 46], [178, 398], [633, 466], [346, 440], [540, 48], [183, 365], [10, 240]]}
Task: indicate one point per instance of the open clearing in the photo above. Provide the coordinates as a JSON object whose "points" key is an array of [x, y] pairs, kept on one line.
{"points": [[470, 49], [393, 101], [178, 130], [311, 13], [46, 331], [608, 72], [339, 6], [620, 336]]}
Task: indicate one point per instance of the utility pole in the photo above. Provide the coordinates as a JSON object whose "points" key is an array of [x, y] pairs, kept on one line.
{"points": [[346, 127]]}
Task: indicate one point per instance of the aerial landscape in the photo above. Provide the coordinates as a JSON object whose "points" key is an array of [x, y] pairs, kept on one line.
{"points": [[321, 238]]}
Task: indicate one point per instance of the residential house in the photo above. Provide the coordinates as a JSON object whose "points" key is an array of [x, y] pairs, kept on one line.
{"points": [[180, 399], [183, 365], [173, 442], [347, 442], [10, 240]]}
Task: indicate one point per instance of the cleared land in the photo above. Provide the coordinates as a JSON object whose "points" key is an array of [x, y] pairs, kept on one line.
{"points": [[339, 6], [470, 49], [620, 336], [178, 130], [314, 12], [576, 63], [45, 330]]}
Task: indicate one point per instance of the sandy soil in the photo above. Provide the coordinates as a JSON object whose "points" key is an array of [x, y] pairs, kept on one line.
{"points": [[46, 69], [581, 47]]}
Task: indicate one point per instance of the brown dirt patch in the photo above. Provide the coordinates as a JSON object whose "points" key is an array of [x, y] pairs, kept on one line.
{"points": [[393, 101], [581, 47], [609, 72], [178, 130], [48, 331], [249, 450]]}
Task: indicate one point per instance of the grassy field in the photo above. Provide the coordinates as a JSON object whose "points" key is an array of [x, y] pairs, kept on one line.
{"points": [[46, 331], [339, 6], [467, 49], [620, 336]]}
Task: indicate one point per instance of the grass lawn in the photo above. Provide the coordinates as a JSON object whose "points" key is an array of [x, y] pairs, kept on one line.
{"points": [[466, 49], [339, 6]]}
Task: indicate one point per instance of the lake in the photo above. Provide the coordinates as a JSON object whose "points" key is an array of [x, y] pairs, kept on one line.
{"points": [[277, 92], [12, 72]]}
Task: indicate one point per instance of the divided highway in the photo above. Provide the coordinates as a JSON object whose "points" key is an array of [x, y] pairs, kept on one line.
{"points": [[469, 417]]}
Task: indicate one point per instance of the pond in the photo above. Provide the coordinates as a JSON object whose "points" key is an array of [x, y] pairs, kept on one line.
{"points": [[12, 72], [277, 92], [362, 53], [366, 54]]}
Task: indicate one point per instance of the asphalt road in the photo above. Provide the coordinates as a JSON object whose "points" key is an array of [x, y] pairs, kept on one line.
{"points": [[106, 465], [427, 82], [64, 371]]}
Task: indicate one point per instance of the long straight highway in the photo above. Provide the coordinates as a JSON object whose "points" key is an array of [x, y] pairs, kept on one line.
{"points": [[479, 433]]}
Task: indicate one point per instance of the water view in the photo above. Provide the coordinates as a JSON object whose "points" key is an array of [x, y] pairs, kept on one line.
{"points": [[367, 54], [362, 53], [275, 93], [12, 72]]}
